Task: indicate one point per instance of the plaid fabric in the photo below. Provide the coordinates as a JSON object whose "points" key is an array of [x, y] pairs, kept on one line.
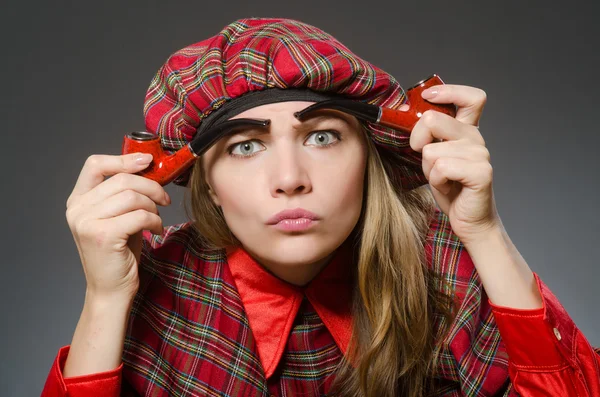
{"points": [[188, 333], [256, 54], [309, 359]]}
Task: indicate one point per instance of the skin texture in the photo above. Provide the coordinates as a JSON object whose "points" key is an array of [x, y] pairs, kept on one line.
{"points": [[288, 165], [456, 163], [460, 174]]}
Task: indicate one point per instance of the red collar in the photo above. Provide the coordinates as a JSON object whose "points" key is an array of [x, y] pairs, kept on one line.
{"points": [[272, 304]]}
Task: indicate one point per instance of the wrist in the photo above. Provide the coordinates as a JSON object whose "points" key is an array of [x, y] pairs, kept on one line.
{"points": [[494, 236], [101, 302], [97, 343], [504, 273]]}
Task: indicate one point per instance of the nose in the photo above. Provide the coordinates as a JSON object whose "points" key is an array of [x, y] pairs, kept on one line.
{"points": [[289, 174]]}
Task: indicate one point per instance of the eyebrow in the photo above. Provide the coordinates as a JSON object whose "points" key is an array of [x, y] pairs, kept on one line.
{"points": [[314, 119]]}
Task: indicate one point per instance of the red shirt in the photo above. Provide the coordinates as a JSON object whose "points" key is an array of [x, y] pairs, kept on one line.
{"points": [[548, 355]]}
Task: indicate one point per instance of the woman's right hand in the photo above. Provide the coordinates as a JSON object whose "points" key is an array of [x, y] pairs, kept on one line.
{"points": [[106, 218]]}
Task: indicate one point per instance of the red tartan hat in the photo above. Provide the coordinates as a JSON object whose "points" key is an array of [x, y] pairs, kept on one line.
{"points": [[223, 75]]}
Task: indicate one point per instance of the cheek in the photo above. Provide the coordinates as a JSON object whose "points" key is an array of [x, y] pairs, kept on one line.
{"points": [[230, 185], [237, 192], [344, 183]]}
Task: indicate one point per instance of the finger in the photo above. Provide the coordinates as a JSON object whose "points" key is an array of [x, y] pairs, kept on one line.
{"points": [[470, 101], [122, 182], [135, 245], [434, 125], [99, 166], [470, 174], [122, 203], [126, 225], [461, 149]]}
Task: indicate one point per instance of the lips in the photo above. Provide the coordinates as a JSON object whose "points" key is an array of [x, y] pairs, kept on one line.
{"points": [[297, 213]]}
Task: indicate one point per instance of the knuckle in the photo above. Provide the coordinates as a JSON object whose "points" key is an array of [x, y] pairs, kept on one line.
{"points": [[71, 201], [427, 152], [482, 96], [429, 117], [442, 164], [482, 142], [485, 153], [144, 215], [83, 227], [93, 161], [130, 196], [70, 214], [121, 180], [152, 216]]}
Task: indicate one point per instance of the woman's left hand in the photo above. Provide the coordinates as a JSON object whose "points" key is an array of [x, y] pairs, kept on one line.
{"points": [[458, 168]]}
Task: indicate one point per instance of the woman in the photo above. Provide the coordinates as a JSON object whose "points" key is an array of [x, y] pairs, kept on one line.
{"points": [[315, 261]]}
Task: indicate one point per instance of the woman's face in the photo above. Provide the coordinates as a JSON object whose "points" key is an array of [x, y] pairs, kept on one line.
{"points": [[317, 165]]}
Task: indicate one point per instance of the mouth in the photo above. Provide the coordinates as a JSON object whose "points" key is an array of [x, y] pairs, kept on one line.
{"points": [[293, 220]]}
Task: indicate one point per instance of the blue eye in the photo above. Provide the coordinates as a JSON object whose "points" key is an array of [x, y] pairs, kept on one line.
{"points": [[323, 138], [245, 149]]}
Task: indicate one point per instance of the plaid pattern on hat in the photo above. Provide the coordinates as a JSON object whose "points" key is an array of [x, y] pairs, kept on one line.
{"points": [[256, 54]]}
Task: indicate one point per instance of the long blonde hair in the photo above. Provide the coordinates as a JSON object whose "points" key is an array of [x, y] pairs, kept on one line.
{"points": [[397, 298]]}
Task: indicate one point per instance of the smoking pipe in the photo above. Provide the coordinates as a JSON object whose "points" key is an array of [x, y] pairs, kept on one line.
{"points": [[164, 168]]}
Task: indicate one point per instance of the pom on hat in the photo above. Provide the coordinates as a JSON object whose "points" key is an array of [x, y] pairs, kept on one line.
{"points": [[257, 54]]}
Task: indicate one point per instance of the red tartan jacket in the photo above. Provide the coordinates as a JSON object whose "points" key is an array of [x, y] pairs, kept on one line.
{"points": [[217, 323]]}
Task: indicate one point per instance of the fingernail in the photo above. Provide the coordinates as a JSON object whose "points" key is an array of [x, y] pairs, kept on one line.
{"points": [[167, 198], [429, 93], [144, 158]]}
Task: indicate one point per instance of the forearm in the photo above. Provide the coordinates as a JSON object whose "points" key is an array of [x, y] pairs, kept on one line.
{"points": [[97, 343], [545, 348], [506, 277]]}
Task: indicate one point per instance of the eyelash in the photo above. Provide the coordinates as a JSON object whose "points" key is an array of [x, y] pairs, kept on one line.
{"points": [[233, 146]]}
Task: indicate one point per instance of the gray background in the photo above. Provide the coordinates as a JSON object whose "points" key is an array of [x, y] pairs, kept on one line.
{"points": [[74, 78]]}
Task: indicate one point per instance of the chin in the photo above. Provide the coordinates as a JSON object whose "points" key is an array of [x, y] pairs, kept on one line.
{"points": [[298, 249]]}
